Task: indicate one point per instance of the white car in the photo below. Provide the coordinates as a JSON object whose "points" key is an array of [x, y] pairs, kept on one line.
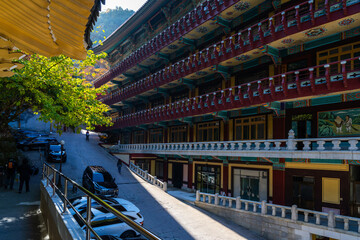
{"points": [[107, 224], [125, 207]]}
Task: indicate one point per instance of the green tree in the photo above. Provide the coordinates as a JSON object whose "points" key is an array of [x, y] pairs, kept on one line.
{"points": [[108, 22], [55, 88]]}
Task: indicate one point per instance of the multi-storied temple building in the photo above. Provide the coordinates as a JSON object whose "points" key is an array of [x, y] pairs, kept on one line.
{"points": [[258, 99]]}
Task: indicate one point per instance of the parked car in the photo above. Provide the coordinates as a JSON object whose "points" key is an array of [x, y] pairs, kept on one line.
{"points": [[106, 224], [36, 143], [125, 207], [103, 137], [53, 153], [21, 135], [99, 181]]}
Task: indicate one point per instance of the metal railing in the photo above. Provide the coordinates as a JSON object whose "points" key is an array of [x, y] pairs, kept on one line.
{"points": [[51, 174], [294, 213], [148, 177]]}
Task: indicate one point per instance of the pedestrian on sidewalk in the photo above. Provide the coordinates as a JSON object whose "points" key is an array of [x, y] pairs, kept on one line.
{"points": [[10, 170], [119, 165], [25, 172], [87, 135]]}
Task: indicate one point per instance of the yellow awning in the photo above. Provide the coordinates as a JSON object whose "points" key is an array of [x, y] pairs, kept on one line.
{"points": [[47, 27]]}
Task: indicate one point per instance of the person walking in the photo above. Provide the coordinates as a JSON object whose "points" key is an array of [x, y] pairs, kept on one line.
{"points": [[87, 135], [119, 165], [10, 170], [25, 172]]}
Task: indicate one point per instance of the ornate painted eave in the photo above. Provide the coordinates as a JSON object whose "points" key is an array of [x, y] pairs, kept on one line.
{"points": [[47, 27]]}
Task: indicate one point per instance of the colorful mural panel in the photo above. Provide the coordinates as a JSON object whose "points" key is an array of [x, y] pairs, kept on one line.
{"points": [[339, 123]]}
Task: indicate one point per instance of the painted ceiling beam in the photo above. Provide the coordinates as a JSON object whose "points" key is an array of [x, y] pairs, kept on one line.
{"points": [[188, 41], [144, 99], [145, 68], [163, 56], [224, 71], [188, 82], [226, 24], [163, 91]]}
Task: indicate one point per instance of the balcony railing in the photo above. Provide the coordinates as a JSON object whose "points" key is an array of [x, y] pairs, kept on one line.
{"points": [[280, 25], [313, 148], [199, 15], [314, 218], [295, 84]]}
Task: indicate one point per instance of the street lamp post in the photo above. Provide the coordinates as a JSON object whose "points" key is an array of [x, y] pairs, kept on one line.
{"points": [[62, 143]]}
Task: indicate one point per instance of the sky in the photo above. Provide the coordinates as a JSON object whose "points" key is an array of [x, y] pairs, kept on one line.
{"points": [[130, 4]]}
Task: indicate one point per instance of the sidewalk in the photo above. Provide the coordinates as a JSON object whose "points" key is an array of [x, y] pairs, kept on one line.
{"points": [[183, 195], [20, 216]]}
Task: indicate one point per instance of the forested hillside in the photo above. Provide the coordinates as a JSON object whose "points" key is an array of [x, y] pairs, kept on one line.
{"points": [[108, 22]]}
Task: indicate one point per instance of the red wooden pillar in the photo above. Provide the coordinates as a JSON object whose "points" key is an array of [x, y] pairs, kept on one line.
{"points": [[279, 127], [190, 174], [226, 130], [279, 183], [225, 178]]}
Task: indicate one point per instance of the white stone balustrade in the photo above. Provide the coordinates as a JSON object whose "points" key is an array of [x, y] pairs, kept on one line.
{"points": [[315, 148], [149, 178], [292, 213]]}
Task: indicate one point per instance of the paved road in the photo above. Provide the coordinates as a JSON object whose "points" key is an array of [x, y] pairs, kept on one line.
{"points": [[163, 214]]}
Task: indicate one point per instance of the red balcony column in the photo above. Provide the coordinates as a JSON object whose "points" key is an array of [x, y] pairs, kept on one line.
{"points": [[250, 37], [203, 12], [217, 5], [200, 104], [215, 101], [261, 91], [240, 95], [194, 63], [344, 73], [327, 76], [312, 79], [215, 55], [207, 102], [222, 98], [194, 106], [183, 108], [344, 7], [240, 43], [250, 93], [327, 8], [297, 16], [284, 84], [261, 34], [284, 22], [222, 49], [231, 97], [272, 27], [201, 58], [231, 44]]}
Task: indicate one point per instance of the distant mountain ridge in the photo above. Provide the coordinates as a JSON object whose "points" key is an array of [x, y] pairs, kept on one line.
{"points": [[108, 22]]}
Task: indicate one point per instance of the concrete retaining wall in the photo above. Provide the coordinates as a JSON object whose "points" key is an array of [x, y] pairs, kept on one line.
{"points": [[276, 228], [59, 226]]}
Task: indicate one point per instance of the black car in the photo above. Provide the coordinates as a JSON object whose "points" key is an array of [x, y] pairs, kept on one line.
{"points": [[53, 153], [36, 143], [99, 181]]}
